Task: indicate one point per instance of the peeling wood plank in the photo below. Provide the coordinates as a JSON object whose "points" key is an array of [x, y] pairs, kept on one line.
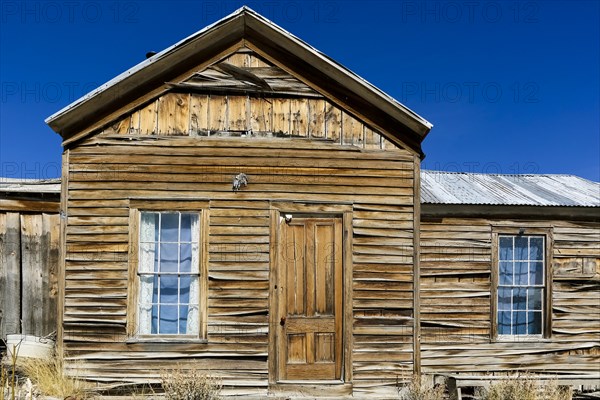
{"points": [[217, 113], [199, 114], [10, 273], [173, 114], [148, 124]]}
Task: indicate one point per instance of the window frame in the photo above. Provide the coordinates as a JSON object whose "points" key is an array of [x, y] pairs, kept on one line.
{"points": [[136, 207], [547, 233]]}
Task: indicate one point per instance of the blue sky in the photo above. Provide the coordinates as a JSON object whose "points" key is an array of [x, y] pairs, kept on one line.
{"points": [[510, 86]]}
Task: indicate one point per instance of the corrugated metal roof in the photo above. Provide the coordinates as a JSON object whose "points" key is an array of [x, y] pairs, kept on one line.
{"points": [[438, 187], [29, 185]]}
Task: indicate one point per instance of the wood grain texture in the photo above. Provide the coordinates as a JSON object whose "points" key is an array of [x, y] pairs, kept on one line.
{"points": [[29, 255], [10, 273], [457, 295], [108, 176], [310, 344], [261, 114]]}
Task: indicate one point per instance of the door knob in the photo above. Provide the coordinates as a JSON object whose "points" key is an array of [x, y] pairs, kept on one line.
{"points": [[282, 321]]}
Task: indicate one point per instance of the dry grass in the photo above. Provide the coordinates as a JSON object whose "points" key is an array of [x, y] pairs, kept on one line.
{"points": [[8, 378], [525, 387], [190, 384], [49, 378], [418, 390], [3, 378]]}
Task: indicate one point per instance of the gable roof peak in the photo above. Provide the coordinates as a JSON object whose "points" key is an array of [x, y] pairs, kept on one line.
{"points": [[243, 27]]}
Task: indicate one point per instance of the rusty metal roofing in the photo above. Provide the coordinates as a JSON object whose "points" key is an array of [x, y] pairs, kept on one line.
{"points": [[438, 187]]}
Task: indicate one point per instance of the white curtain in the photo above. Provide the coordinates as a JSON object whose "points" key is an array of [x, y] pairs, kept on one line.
{"points": [[193, 316], [147, 257]]}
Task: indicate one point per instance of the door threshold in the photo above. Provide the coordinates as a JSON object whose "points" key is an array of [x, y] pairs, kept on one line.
{"points": [[315, 389]]}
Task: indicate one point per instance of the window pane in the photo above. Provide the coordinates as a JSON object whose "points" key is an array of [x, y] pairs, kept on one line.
{"points": [[506, 247], [506, 273], [186, 226], [520, 284], [168, 319], [534, 299], [155, 288], [183, 317], [146, 288], [148, 257], [185, 258], [536, 273], [520, 299], [155, 319], [169, 244], [536, 248], [195, 256], [504, 299], [184, 288], [534, 323], [168, 257], [168, 289], [504, 323], [521, 248], [169, 228], [519, 322], [149, 226], [521, 273]]}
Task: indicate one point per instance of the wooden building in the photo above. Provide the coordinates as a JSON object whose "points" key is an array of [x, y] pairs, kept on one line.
{"points": [[240, 202], [485, 309], [29, 251]]}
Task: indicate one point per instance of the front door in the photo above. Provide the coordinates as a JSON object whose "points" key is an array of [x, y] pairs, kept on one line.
{"points": [[309, 341]]}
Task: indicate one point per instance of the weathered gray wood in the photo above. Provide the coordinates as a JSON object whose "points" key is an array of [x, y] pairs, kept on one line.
{"points": [[10, 274], [50, 254], [32, 266]]}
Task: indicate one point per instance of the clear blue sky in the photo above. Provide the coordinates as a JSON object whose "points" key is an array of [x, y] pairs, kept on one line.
{"points": [[510, 86]]}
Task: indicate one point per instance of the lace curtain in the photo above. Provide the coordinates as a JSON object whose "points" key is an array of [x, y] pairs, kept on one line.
{"points": [[147, 264], [189, 312], [193, 314]]}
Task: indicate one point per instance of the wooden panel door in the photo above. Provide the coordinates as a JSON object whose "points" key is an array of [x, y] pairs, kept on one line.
{"points": [[310, 342]]}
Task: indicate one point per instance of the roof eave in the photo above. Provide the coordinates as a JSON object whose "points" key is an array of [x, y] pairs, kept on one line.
{"points": [[434, 211]]}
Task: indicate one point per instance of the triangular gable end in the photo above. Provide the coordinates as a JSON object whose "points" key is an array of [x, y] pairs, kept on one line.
{"points": [[245, 95], [182, 62]]}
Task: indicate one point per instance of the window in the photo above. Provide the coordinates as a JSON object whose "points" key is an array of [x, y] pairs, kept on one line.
{"points": [[521, 293], [169, 286]]}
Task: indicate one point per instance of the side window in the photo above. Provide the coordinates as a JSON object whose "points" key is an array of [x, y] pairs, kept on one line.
{"points": [[521, 307], [169, 285]]}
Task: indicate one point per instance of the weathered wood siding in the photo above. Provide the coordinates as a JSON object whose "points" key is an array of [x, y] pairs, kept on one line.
{"points": [[456, 263], [28, 272], [105, 172], [214, 102], [193, 114]]}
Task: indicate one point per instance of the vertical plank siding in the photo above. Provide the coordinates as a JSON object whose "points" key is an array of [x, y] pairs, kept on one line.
{"points": [[106, 172], [456, 262], [29, 247], [233, 115]]}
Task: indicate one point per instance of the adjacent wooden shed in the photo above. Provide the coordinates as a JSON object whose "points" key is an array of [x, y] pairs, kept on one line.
{"points": [[29, 250]]}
